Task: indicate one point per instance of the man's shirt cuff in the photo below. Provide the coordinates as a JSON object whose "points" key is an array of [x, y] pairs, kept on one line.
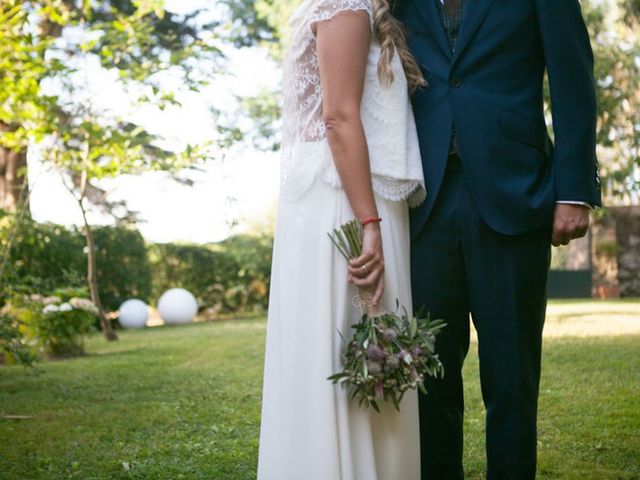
{"points": [[571, 202]]}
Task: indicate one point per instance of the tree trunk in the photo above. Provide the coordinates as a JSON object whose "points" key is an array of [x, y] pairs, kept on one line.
{"points": [[92, 277], [14, 181]]}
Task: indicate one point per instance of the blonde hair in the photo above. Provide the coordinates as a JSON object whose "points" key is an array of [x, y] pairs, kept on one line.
{"points": [[391, 35]]}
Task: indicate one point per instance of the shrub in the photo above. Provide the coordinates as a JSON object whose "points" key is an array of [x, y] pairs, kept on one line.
{"points": [[57, 323], [254, 254], [197, 268], [227, 277], [122, 265], [13, 345], [44, 256], [61, 330]]}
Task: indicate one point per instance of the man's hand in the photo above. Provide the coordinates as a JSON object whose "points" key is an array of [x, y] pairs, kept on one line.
{"points": [[570, 222]]}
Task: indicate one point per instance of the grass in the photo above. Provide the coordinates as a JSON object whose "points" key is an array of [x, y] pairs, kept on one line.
{"points": [[184, 402]]}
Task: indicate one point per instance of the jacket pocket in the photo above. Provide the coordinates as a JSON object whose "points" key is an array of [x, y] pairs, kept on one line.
{"points": [[521, 129]]}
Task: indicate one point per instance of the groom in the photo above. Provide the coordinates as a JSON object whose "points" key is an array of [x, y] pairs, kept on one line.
{"points": [[499, 194]]}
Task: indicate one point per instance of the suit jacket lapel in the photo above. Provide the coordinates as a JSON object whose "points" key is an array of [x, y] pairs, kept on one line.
{"points": [[474, 14], [428, 11]]}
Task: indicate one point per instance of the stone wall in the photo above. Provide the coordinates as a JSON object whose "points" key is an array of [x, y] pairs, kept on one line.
{"points": [[616, 253], [628, 239]]}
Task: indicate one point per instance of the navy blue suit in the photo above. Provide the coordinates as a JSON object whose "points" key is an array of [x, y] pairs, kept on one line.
{"points": [[481, 241]]}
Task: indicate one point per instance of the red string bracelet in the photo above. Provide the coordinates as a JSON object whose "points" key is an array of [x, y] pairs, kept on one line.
{"points": [[371, 220]]}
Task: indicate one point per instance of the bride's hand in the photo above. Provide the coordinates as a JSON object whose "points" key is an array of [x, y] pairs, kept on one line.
{"points": [[367, 271]]}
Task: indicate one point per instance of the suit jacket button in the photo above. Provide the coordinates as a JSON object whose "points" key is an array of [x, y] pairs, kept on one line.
{"points": [[455, 83]]}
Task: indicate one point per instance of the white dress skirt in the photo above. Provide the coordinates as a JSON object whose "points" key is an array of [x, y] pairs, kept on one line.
{"points": [[310, 428]]}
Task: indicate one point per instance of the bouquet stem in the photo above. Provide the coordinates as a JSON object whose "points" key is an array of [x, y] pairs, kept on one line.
{"points": [[348, 240], [366, 299]]}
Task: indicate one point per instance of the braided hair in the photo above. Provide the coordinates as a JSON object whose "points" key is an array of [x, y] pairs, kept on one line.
{"points": [[392, 38]]}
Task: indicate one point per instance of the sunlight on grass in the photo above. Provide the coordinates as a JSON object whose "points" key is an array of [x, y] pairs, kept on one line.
{"points": [[592, 318]]}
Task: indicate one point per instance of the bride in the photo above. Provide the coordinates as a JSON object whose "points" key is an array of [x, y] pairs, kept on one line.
{"points": [[350, 150]]}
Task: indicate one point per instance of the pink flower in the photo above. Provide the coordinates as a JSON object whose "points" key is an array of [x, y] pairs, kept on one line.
{"points": [[374, 352], [389, 334], [379, 389]]}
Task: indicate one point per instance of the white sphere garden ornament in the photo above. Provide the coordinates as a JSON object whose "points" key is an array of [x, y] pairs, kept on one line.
{"points": [[177, 306], [134, 313]]}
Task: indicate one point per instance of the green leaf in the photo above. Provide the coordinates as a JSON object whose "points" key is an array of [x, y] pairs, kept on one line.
{"points": [[413, 327]]}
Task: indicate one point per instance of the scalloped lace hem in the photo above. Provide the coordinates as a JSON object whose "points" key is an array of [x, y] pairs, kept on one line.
{"points": [[393, 189]]}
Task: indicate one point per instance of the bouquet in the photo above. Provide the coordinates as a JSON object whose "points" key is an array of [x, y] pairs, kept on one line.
{"points": [[390, 352]]}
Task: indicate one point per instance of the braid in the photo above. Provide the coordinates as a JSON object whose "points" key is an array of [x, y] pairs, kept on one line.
{"points": [[390, 34]]}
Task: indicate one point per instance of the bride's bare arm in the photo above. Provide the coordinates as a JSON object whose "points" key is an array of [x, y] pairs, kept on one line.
{"points": [[343, 48]]}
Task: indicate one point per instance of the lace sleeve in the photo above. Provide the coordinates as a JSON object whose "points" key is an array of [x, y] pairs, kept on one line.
{"points": [[327, 9]]}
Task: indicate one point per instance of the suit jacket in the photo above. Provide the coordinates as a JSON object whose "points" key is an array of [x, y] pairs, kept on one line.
{"points": [[491, 89]]}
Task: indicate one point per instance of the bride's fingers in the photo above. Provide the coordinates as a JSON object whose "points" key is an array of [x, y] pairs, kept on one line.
{"points": [[371, 281], [365, 270], [362, 260], [377, 297]]}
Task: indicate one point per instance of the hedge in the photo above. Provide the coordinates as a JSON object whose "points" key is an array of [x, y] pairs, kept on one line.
{"points": [[227, 277], [44, 257]]}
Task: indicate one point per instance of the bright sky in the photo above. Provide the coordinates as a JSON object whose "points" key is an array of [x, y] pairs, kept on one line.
{"points": [[242, 188]]}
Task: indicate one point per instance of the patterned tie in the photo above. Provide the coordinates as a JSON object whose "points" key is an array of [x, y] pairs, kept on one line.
{"points": [[452, 6]]}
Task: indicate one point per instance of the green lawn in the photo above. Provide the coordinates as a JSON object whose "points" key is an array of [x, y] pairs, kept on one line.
{"points": [[184, 402]]}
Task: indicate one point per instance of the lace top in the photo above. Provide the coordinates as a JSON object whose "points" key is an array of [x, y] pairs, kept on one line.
{"points": [[386, 114]]}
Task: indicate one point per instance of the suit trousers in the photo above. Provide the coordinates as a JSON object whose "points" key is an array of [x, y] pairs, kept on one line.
{"points": [[461, 267]]}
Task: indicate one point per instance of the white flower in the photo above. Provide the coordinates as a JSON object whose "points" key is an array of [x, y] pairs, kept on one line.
{"points": [[84, 304], [51, 300], [65, 307], [50, 309]]}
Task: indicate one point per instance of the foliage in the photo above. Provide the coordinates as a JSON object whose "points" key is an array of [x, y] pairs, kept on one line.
{"points": [[54, 107], [388, 355], [615, 34], [184, 402], [58, 323], [44, 256], [192, 267], [260, 22], [253, 255], [45, 97], [122, 265], [230, 277], [22, 66], [13, 345], [389, 352], [44, 40]]}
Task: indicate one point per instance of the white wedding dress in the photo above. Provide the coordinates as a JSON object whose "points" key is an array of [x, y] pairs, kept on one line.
{"points": [[310, 430]]}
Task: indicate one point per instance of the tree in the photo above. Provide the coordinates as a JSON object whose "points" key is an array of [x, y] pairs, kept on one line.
{"points": [[44, 97], [615, 33], [22, 67]]}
